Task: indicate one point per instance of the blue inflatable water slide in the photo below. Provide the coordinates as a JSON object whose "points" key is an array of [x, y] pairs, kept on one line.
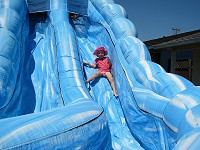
{"points": [[45, 103]]}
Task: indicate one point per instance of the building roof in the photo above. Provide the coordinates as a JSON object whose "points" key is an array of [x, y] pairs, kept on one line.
{"points": [[186, 38]]}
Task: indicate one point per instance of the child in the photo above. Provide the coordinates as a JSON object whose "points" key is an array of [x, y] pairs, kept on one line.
{"points": [[104, 66]]}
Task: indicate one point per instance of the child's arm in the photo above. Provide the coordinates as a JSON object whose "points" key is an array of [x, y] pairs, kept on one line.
{"points": [[109, 62], [90, 65]]}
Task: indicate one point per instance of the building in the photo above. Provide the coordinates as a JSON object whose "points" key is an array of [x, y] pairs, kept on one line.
{"points": [[178, 54]]}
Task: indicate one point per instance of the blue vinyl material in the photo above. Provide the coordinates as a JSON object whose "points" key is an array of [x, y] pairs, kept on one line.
{"points": [[45, 103], [38, 6], [78, 7]]}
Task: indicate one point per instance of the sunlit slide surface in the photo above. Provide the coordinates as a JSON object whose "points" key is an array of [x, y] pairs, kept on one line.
{"points": [[45, 102]]}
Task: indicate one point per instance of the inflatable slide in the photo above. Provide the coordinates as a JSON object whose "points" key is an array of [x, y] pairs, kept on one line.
{"points": [[45, 102]]}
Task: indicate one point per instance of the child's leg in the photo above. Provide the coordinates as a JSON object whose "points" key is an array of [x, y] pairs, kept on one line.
{"points": [[111, 80], [97, 74]]}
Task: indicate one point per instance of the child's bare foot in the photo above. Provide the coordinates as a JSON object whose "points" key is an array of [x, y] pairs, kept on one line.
{"points": [[116, 95]]}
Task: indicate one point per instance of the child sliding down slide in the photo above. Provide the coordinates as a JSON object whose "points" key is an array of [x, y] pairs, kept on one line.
{"points": [[104, 67]]}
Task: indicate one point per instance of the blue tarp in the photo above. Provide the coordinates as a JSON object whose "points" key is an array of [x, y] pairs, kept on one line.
{"points": [[45, 103], [72, 6], [38, 5], [78, 7]]}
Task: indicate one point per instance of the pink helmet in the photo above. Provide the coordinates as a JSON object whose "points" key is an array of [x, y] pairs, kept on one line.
{"points": [[101, 48]]}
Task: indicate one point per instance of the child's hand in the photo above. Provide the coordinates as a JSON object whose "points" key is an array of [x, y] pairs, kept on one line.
{"points": [[89, 65], [85, 63]]}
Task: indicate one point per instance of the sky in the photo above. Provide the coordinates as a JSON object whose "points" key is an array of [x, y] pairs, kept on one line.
{"points": [[155, 18]]}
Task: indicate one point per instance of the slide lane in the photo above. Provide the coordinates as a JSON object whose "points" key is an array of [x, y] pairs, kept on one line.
{"points": [[91, 33]]}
